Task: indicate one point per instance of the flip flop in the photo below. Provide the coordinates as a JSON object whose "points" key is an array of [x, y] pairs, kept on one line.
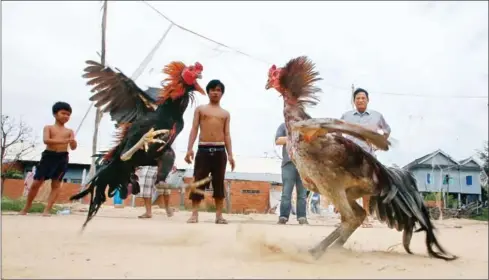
{"points": [[193, 220], [144, 216], [221, 221]]}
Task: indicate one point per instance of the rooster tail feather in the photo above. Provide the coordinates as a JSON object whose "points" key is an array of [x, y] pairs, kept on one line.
{"points": [[113, 174], [400, 205]]}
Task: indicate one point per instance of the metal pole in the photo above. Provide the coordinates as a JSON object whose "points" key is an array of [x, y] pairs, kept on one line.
{"points": [[99, 113], [228, 197], [448, 191]]}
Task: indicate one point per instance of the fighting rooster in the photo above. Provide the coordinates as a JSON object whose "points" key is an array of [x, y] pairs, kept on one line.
{"points": [[147, 126], [341, 170]]}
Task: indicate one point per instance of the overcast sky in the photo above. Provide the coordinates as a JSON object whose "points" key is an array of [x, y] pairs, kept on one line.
{"points": [[422, 48]]}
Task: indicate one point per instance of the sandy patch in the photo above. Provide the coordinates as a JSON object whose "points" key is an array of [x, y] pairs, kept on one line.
{"points": [[118, 245]]}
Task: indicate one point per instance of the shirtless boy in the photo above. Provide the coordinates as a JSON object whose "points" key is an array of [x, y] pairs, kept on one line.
{"points": [[214, 142], [54, 159]]}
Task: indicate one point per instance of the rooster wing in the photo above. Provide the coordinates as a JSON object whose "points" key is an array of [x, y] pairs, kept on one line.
{"points": [[312, 128], [122, 98]]}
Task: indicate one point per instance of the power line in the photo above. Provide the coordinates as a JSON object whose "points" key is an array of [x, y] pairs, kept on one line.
{"points": [[414, 94], [202, 36], [269, 63]]}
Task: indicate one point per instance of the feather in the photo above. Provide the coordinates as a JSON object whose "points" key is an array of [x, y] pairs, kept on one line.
{"points": [[174, 86], [114, 91], [298, 77], [403, 207], [120, 133]]}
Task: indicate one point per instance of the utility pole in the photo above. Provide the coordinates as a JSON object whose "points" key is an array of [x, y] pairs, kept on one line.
{"points": [[99, 113], [352, 91]]}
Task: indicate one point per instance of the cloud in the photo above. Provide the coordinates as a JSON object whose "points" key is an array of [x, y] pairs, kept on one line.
{"points": [[429, 48]]}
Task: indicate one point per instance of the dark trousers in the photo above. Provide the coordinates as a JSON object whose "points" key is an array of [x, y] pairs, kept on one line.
{"points": [[213, 160]]}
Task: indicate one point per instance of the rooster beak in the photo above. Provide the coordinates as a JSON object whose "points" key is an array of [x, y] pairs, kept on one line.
{"points": [[199, 76], [267, 87], [199, 89]]}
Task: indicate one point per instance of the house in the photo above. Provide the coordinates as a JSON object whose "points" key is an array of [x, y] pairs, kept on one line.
{"points": [[439, 172], [248, 186]]}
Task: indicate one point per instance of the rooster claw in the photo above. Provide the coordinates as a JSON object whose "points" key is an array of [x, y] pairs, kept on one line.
{"points": [[144, 142], [149, 137], [316, 253]]}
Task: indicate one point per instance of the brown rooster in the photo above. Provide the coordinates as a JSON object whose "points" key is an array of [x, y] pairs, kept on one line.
{"points": [[341, 170]]}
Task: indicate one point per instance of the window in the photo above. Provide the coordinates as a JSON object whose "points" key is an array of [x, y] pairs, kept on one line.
{"points": [[468, 180], [250, 191], [446, 179], [428, 179]]}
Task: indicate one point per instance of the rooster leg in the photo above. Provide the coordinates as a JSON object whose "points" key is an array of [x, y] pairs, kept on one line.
{"points": [[360, 216], [319, 249], [143, 143], [165, 165], [349, 223], [160, 187]]}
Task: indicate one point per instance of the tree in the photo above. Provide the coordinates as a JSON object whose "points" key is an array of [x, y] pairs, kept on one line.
{"points": [[16, 141], [484, 157]]}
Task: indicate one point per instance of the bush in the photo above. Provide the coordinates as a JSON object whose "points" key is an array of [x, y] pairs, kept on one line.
{"points": [[431, 196], [15, 205], [483, 216], [13, 174]]}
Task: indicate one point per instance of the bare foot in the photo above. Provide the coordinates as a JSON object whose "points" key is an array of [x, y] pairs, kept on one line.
{"points": [[46, 214], [22, 213], [145, 216], [169, 212], [193, 219]]}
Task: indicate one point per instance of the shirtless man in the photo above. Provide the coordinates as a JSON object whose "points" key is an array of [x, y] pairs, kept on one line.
{"points": [[54, 159], [214, 142]]}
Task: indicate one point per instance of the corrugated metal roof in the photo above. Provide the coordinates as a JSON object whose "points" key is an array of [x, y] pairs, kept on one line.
{"points": [[247, 168], [243, 176], [82, 155]]}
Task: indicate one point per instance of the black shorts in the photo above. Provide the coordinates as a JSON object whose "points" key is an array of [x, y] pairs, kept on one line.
{"points": [[52, 166], [213, 160]]}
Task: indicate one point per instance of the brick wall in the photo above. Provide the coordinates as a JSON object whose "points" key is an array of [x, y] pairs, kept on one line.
{"points": [[14, 189], [13, 166], [240, 201]]}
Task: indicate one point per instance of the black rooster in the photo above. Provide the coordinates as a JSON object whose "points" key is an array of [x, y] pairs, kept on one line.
{"points": [[147, 127]]}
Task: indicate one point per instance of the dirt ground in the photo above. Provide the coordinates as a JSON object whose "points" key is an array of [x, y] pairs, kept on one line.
{"points": [[116, 244]]}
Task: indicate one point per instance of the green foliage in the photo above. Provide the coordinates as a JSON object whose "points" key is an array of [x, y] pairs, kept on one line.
{"points": [[483, 216], [13, 174], [15, 205], [210, 208], [452, 201], [432, 196], [484, 157]]}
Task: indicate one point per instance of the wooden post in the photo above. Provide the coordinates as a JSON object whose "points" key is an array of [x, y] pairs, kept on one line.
{"points": [[99, 113]]}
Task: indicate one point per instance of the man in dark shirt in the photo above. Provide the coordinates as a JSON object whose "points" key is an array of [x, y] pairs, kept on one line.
{"points": [[290, 177]]}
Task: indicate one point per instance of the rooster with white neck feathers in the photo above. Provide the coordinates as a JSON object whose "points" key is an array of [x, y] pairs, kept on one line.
{"points": [[339, 169]]}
